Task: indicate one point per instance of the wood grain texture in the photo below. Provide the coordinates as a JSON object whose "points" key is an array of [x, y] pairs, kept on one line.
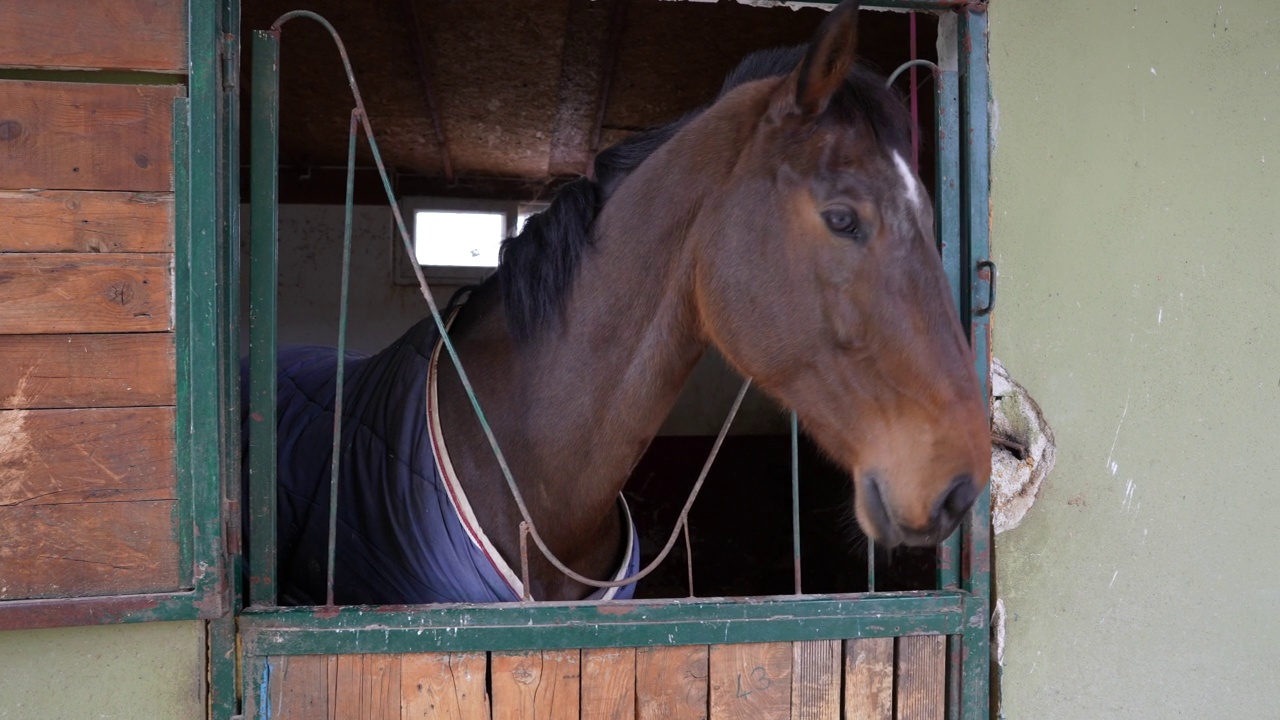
{"points": [[344, 687], [298, 688], [815, 680], [543, 685], [671, 682], [70, 221], [53, 457], [609, 684], [751, 681], [444, 686], [87, 371], [82, 136], [118, 35], [44, 293], [868, 679], [922, 677], [81, 549], [380, 687]]}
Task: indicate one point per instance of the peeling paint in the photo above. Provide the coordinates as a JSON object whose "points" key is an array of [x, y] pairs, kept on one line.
{"points": [[15, 444], [998, 618], [1022, 452]]}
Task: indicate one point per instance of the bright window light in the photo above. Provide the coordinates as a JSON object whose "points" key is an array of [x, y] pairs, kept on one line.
{"points": [[458, 239]]}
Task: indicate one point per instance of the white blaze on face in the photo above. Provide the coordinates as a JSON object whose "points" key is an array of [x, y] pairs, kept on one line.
{"points": [[908, 179]]}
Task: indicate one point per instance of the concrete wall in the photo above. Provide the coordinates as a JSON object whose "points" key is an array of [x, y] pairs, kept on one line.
{"points": [[1136, 206], [148, 670]]}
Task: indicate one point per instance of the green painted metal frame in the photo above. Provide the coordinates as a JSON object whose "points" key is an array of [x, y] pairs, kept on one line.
{"points": [[959, 610], [200, 349]]}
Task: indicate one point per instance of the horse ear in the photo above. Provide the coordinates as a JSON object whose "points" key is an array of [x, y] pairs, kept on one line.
{"points": [[828, 60]]}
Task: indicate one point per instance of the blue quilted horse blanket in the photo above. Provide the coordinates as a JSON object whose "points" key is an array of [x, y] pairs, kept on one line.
{"points": [[405, 531]]}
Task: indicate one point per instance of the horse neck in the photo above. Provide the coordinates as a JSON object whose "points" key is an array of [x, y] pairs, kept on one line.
{"points": [[576, 406]]}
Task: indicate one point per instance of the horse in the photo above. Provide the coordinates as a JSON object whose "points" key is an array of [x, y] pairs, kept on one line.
{"points": [[780, 225]]}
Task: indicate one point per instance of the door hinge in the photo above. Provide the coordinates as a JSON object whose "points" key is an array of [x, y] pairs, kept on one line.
{"points": [[229, 51]]}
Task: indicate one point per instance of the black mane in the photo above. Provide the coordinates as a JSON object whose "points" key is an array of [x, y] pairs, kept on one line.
{"points": [[537, 266]]}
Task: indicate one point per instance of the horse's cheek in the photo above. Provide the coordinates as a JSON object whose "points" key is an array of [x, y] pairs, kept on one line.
{"points": [[843, 318]]}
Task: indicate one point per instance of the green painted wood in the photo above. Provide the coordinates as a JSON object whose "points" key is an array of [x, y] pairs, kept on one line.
{"points": [[947, 220], [976, 574], [93, 76], [206, 467], [289, 631], [264, 144], [184, 508]]}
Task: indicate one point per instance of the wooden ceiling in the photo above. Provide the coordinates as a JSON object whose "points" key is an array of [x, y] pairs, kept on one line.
{"points": [[523, 89]]}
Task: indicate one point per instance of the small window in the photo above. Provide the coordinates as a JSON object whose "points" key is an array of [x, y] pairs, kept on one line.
{"points": [[456, 241]]}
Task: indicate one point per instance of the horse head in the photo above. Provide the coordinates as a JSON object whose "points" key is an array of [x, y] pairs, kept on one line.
{"points": [[817, 274]]}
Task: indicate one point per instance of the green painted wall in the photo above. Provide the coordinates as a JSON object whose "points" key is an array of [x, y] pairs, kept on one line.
{"points": [[147, 670], [1136, 201]]}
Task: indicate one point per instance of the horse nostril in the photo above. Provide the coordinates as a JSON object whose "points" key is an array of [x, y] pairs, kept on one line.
{"points": [[877, 511], [956, 501]]}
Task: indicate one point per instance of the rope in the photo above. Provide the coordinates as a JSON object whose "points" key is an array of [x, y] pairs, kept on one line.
{"points": [[425, 288], [909, 64]]}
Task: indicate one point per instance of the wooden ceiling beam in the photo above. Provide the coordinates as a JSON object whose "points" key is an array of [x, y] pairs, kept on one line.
{"points": [[592, 33], [420, 34]]}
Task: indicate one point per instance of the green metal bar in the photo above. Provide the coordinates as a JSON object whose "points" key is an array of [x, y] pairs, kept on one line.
{"points": [[110, 77], [106, 610], [264, 145], [976, 571], [795, 500], [335, 467], [205, 318], [947, 219], [871, 565], [223, 650], [292, 631], [184, 507]]}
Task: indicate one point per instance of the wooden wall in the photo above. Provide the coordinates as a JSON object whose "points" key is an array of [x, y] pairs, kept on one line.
{"points": [[88, 486], [866, 679]]}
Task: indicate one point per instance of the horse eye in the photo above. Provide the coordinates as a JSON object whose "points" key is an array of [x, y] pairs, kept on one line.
{"points": [[844, 222]]}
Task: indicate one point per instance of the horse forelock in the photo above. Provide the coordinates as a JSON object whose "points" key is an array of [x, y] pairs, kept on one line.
{"points": [[537, 267]]}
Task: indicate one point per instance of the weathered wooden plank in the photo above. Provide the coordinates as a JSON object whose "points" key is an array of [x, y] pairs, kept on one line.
{"points": [[345, 687], [609, 684], [71, 221], [380, 687], [750, 681], [542, 685], [145, 35], [922, 677], [815, 680], [868, 679], [671, 682], [82, 136], [81, 549], [87, 371], [54, 457], [444, 686], [299, 687], [76, 293]]}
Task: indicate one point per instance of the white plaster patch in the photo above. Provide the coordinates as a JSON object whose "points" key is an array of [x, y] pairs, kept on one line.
{"points": [[1023, 450], [908, 178], [998, 620]]}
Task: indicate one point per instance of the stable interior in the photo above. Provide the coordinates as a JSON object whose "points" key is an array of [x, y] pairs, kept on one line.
{"points": [[502, 101]]}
